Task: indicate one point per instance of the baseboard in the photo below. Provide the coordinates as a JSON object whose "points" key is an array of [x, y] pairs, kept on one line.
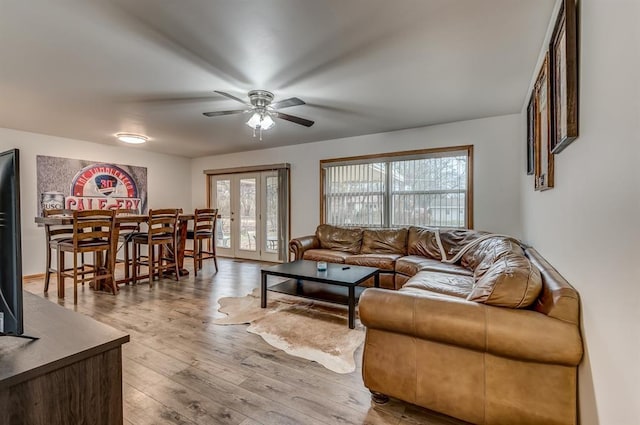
{"points": [[32, 277]]}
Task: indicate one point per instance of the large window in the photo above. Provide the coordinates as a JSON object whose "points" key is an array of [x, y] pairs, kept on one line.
{"points": [[425, 188]]}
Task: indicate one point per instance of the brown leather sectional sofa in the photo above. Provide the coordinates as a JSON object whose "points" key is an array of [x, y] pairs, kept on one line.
{"points": [[475, 326]]}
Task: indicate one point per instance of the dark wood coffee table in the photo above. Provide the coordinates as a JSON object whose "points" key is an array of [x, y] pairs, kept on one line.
{"points": [[338, 285]]}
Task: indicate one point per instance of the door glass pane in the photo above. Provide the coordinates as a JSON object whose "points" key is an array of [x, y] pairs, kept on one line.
{"points": [[248, 214], [271, 239], [223, 203]]}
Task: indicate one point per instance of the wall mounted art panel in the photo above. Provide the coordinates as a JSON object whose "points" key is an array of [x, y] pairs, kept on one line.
{"points": [[77, 184]]}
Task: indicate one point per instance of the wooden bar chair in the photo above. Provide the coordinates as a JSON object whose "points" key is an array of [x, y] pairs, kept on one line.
{"points": [[126, 231], [162, 233], [93, 231], [54, 235], [203, 230]]}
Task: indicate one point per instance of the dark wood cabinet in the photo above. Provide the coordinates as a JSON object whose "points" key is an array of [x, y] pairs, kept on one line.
{"points": [[71, 375]]}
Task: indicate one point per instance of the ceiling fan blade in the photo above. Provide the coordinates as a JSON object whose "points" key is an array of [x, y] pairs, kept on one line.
{"points": [[294, 119], [292, 101], [230, 96], [219, 113]]}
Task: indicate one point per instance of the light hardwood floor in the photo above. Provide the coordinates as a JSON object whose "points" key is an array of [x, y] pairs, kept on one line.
{"points": [[179, 368]]}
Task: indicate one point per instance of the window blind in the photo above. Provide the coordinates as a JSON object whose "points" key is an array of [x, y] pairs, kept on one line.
{"points": [[425, 189]]}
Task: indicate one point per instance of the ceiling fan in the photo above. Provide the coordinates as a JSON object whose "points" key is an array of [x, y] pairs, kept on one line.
{"points": [[260, 103]]}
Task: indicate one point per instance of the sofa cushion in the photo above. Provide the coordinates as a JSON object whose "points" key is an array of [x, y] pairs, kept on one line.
{"points": [[453, 240], [325, 255], [422, 241], [384, 241], [412, 264], [400, 280], [512, 281], [339, 238], [381, 261], [481, 258], [385, 279], [441, 283]]}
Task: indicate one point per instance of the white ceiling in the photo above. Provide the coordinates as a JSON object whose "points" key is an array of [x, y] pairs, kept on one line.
{"points": [[89, 69]]}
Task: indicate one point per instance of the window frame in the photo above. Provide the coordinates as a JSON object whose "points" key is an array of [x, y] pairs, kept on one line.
{"points": [[408, 155]]}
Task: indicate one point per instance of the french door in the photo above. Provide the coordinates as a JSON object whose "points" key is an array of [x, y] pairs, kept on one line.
{"points": [[248, 215]]}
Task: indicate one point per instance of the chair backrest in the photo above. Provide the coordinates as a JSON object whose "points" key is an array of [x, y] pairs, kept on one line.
{"points": [[205, 220], [163, 223], [126, 227], [124, 211], [56, 232], [93, 226]]}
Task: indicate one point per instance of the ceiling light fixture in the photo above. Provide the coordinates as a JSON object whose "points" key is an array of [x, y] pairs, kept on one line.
{"points": [[263, 110], [260, 120], [135, 139]]}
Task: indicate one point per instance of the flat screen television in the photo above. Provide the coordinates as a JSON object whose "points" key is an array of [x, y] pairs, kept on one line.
{"points": [[10, 245]]}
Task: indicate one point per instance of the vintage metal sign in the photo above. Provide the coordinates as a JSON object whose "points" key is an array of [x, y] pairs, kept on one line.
{"points": [[79, 185]]}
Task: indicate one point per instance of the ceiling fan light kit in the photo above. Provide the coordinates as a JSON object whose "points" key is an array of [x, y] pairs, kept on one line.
{"points": [[263, 110]]}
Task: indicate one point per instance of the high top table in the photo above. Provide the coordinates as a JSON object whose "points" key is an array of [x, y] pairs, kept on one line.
{"points": [[338, 284], [183, 221]]}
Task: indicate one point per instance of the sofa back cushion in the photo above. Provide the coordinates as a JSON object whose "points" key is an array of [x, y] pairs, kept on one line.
{"points": [[512, 281], [339, 238], [422, 241], [481, 257], [384, 241], [453, 240]]}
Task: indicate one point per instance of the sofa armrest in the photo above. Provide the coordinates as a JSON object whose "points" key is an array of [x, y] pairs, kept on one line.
{"points": [[512, 333], [299, 245]]}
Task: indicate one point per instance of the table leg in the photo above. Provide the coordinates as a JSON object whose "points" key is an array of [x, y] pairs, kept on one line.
{"points": [[60, 279], [263, 290], [376, 280], [111, 260], [99, 263], [102, 264], [352, 307], [182, 243]]}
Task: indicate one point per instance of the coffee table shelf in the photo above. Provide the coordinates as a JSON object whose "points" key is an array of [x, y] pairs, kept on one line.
{"points": [[338, 284], [316, 291]]}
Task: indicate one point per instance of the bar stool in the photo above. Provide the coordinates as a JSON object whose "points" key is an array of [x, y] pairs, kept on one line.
{"points": [[126, 231], [54, 235], [203, 229], [163, 233], [93, 231]]}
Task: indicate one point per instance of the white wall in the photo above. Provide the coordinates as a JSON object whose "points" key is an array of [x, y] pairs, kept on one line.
{"points": [[497, 167], [587, 226], [167, 176]]}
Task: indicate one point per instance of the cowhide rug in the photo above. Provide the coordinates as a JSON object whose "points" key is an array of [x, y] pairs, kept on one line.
{"points": [[300, 327]]}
